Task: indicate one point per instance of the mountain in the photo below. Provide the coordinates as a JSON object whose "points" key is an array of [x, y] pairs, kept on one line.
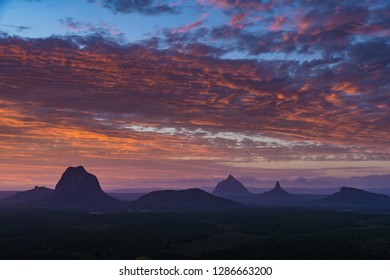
{"points": [[79, 189], [232, 189], [190, 200], [278, 197], [356, 199], [29, 195]]}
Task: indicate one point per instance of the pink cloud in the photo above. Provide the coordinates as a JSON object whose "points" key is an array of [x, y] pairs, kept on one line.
{"points": [[279, 20], [236, 20], [192, 25]]}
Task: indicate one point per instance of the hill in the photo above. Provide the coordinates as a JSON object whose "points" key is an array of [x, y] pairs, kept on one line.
{"points": [[29, 195], [191, 200], [356, 199]]}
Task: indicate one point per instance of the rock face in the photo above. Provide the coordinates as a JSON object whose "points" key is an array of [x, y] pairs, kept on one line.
{"points": [[192, 200], [233, 189], [76, 182], [78, 187]]}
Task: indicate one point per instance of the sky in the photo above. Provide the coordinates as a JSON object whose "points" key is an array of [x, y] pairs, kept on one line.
{"points": [[159, 93]]}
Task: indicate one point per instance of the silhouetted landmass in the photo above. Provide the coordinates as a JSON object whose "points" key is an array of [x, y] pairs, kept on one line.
{"points": [[76, 184], [192, 224], [29, 195], [78, 189], [232, 189], [355, 199], [192, 200], [279, 197]]}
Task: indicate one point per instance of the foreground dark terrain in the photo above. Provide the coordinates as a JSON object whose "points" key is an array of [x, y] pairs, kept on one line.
{"points": [[235, 234]]}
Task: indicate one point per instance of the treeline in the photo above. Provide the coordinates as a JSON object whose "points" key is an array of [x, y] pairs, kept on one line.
{"points": [[244, 234]]}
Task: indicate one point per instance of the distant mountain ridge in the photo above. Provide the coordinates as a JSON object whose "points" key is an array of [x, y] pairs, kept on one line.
{"points": [[79, 189]]}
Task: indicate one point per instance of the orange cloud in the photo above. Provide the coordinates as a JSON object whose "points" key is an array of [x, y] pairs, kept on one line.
{"points": [[346, 87]]}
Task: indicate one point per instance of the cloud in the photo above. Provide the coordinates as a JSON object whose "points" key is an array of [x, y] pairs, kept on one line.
{"points": [[147, 7], [18, 28], [192, 25], [101, 29], [298, 26], [237, 4], [199, 107], [79, 26]]}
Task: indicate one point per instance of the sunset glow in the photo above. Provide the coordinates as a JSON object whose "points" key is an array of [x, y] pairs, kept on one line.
{"points": [[183, 93]]}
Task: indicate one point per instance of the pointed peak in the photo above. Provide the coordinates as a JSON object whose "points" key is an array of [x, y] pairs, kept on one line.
{"points": [[277, 186], [230, 177]]}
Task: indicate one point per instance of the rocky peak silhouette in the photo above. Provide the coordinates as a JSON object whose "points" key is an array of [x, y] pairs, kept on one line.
{"points": [[77, 182]]}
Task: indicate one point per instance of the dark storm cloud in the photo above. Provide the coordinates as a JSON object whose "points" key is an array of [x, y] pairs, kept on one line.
{"points": [[147, 7]]}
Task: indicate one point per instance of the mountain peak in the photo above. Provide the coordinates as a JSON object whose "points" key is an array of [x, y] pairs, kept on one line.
{"points": [[277, 191], [79, 169], [230, 188], [277, 186], [76, 181], [230, 177]]}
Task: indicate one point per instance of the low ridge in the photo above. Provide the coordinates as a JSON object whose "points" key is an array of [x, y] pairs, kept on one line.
{"points": [[192, 200], [30, 195], [352, 198]]}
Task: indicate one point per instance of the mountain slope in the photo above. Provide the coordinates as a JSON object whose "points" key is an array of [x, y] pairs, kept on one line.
{"points": [[277, 197], [29, 195]]}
